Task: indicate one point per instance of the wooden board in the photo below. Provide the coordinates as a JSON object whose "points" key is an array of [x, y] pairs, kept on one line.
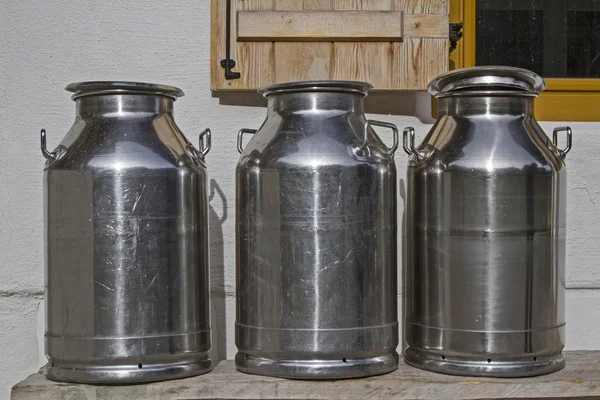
{"points": [[360, 61], [418, 61], [319, 26], [580, 379], [310, 61], [253, 60], [335, 26], [425, 26], [408, 65]]}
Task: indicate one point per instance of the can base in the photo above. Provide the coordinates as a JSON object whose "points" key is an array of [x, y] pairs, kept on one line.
{"points": [[487, 367], [317, 369], [125, 374]]}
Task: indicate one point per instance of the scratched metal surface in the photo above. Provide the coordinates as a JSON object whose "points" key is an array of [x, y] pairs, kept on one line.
{"points": [[486, 232], [316, 240], [126, 244]]}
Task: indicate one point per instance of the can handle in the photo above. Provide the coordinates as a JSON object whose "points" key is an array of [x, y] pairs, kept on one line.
{"points": [[394, 128], [204, 141], [47, 154], [240, 147], [567, 129], [408, 142]]}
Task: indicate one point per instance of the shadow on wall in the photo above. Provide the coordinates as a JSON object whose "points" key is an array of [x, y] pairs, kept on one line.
{"points": [[217, 270], [388, 103]]}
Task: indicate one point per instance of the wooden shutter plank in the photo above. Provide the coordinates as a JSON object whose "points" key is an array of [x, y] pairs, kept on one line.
{"points": [[426, 26], [318, 5], [326, 26], [417, 61], [255, 61], [363, 5], [361, 61], [288, 5], [407, 65], [302, 61], [217, 43], [422, 6]]}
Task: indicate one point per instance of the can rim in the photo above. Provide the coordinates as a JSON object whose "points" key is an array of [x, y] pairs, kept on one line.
{"points": [[491, 79], [94, 88], [317, 86]]}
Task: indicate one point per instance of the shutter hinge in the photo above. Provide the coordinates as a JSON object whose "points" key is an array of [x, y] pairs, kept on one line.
{"points": [[455, 34]]}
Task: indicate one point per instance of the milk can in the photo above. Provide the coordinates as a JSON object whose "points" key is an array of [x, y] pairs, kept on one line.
{"points": [[486, 213], [316, 237], [127, 273]]}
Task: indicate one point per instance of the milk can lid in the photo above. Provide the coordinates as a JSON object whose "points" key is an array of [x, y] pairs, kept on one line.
{"points": [[317, 86], [92, 88], [497, 79]]}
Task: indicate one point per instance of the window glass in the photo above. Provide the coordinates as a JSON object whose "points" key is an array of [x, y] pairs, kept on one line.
{"points": [[555, 38]]}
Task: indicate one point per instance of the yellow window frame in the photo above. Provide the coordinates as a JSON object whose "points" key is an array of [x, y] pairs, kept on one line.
{"points": [[568, 99]]}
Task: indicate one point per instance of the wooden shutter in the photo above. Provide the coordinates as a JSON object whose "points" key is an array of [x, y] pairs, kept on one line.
{"points": [[393, 44]]}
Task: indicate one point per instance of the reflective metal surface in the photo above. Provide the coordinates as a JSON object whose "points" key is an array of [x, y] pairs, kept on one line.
{"points": [[316, 238], [127, 288], [486, 214], [487, 78]]}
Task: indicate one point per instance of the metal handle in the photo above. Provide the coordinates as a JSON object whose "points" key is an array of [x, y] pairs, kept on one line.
{"points": [[49, 155], [408, 143], [567, 129], [394, 128], [408, 146], [204, 142], [240, 134]]}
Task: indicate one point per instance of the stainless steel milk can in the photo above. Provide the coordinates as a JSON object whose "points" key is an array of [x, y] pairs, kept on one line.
{"points": [[127, 273], [316, 237], [486, 213]]}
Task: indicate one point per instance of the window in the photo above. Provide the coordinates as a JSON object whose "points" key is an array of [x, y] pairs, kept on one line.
{"points": [[558, 39]]}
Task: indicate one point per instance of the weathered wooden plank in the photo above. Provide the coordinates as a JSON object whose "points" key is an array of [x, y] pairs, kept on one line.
{"points": [[360, 61], [326, 26], [369, 62], [422, 6], [417, 61], [288, 5], [425, 26], [302, 61], [580, 379], [254, 61], [317, 5], [383, 64], [217, 43], [363, 5]]}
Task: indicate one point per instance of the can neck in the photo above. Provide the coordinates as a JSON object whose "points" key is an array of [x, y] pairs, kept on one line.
{"points": [[314, 102], [114, 105], [468, 106]]}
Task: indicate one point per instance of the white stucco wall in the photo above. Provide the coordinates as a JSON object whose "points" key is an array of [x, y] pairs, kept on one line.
{"points": [[46, 44]]}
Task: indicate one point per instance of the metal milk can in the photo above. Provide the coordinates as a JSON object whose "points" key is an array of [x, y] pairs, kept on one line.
{"points": [[486, 213], [127, 261], [316, 237]]}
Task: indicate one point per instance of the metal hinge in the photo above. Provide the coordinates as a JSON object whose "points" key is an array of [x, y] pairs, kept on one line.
{"points": [[228, 63], [455, 35]]}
